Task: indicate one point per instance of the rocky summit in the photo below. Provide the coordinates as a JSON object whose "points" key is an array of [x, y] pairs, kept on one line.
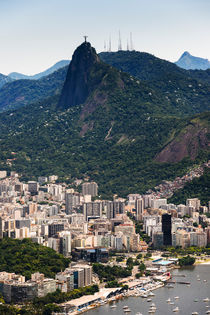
{"points": [[76, 88]]}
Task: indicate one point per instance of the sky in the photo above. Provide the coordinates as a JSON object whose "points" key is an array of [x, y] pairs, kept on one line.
{"points": [[35, 34]]}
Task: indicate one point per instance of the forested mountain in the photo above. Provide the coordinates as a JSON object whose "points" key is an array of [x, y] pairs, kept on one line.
{"points": [[188, 88], [187, 61], [111, 127], [55, 67], [4, 79], [22, 92]]}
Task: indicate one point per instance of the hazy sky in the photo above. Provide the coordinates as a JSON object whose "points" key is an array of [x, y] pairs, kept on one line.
{"points": [[34, 34]]}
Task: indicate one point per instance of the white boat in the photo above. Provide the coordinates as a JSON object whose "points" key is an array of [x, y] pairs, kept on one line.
{"points": [[171, 303], [194, 313], [149, 300], [151, 311], [113, 306], [153, 305], [151, 293], [199, 279], [169, 300], [206, 300], [127, 310], [176, 309], [208, 312], [176, 297], [204, 280], [124, 307], [138, 313]]}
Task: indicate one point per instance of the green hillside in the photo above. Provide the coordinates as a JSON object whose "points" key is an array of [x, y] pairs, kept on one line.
{"points": [[113, 137], [23, 92], [25, 257], [198, 188]]}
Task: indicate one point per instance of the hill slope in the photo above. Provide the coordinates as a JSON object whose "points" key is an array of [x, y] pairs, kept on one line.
{"points": [[187, 61], [4, 79], [55, 67], [198, 188], [22, 92], [112, 134], [25, 257]]}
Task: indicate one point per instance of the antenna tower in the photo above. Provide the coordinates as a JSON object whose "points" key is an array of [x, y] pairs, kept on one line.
{"points": [[104, 46], [131, 42], [110, 44], [128, 45], [119, 43]]}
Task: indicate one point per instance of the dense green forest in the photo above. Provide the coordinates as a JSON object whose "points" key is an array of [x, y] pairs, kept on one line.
{"points": [[19, 93], [25, 257], [108, 273], [198, 188]]}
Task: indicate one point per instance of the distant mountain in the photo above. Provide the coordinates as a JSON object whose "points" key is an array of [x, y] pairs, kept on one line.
{"points": [[179, 87], [58, 65], [187, 61], [4, 79], [106, 124]]}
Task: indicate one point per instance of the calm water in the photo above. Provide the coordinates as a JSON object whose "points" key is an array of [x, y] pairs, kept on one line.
{"points": [[197, 290]]}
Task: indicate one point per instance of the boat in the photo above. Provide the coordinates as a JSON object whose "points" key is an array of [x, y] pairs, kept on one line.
{"points": [[124, 307], [208, 312], [151, 293], [138, 313], [176, 297], [149, 300], [169, 300], [151, 311], [194, 313], [176, 309], [171, 303], [206, 300], [153, 305], [199, 279], [196, 300], [127, 310], [204, 280], [113, 306]]}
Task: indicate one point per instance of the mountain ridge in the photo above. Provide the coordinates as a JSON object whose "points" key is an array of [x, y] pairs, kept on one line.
{"points": [[189, 62], [37, 76], [113, 141]]}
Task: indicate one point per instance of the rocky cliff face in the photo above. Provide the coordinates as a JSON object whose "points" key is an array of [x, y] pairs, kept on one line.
{"points": [[188, 143], [76, 87]]}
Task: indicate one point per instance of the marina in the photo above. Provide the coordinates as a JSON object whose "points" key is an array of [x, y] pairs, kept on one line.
{"points": [[165, 301]]}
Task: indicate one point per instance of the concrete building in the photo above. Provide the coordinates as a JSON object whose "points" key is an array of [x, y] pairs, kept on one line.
{"points": [[139, 206], [193, 202], [92, 209], [90, 189]]}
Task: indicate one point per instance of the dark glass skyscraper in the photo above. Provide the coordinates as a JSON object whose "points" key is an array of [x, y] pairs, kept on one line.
{"points": [[166, 229]]}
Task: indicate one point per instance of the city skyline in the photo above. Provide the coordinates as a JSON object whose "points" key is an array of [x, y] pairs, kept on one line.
{"points": [[38, 34]]}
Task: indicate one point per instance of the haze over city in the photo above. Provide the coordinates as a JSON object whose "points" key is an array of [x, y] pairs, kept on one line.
{"points": [[36, 34]]}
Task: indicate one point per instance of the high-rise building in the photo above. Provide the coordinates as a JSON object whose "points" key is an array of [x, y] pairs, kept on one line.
{"points": [[90, 189], [114, 208], [72, 201], [33, 187], [92, 209], [166, 229], [1, 228], [139, 205], [193, 202]]}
